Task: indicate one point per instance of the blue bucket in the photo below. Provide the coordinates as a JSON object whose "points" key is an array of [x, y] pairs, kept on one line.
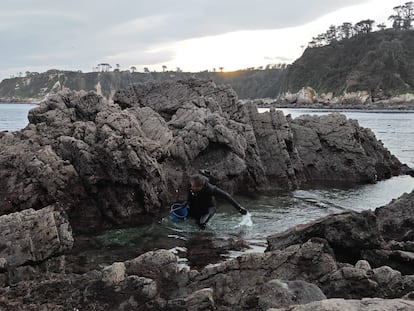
{"points": [[178, 211]]}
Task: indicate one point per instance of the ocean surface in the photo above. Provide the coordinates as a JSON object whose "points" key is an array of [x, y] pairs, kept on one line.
{"points": [[13, 117], [268, 214]]}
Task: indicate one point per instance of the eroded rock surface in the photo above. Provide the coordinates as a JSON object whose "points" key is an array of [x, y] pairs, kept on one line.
{"points": [[114, 162], [107, 163]]}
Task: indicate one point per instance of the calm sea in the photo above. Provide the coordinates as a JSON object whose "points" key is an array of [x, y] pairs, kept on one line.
{"points": [[13, 117], [268, 213]]}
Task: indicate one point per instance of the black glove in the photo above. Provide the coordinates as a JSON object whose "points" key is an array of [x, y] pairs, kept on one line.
{"points": [[242, 210]]}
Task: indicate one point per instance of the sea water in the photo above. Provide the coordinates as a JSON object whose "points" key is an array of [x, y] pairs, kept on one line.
{"points": [[13, 117]]}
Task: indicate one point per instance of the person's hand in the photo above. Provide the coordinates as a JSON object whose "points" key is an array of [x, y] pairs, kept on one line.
{"points": [[242, 210]]}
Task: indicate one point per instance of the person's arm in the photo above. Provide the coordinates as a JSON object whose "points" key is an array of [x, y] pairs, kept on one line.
{"points": [[224, 195]]}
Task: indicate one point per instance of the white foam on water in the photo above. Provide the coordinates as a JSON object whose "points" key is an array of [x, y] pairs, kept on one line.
{"points": [[246, 221]]}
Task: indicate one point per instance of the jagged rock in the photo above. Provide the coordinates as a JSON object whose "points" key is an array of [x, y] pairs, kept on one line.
{"points": [[238, 282], [348, 234], [352, 282], [306, 95], [333, 148], [243, 283], [112, 163], [154, 264], [274, 138], [401, 260], [395, 222], [199, 300], [33, 236], [368, 304], [277, 293], [383, 237]]}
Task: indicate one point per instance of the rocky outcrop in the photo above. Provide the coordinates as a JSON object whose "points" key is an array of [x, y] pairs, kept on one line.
{"points": [[36, 235], [307, 97], [333, 148], [300, 274], [383, 237], [32, 243], [303, 269], [113, 162]]}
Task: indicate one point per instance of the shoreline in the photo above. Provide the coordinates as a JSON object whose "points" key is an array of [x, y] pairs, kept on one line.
{"points": [[408, 107], [19, 101]]}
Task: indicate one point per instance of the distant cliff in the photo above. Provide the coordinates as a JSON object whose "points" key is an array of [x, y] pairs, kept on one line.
{"points": [[248, 84], [380, 63]]}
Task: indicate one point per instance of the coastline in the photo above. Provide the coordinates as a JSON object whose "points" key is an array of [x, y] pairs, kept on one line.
{"points": [[380, 106], [20, 101]]}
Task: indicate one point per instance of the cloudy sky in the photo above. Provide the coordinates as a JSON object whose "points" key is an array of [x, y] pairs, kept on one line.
{"points": [[194, 35]]}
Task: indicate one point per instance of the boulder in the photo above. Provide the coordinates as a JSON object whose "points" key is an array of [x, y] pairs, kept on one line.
{"points": [[277, 293], [335, 149], [368, 304], [354, 283], [199, 300], [348, 234], [240, 281], [34, 236], [306, 96]]}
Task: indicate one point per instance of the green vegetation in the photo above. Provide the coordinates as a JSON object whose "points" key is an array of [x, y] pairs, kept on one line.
{"points": [[381, 61]]}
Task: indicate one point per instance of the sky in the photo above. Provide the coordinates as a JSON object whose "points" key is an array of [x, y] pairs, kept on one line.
{"points": [[193, 35]]}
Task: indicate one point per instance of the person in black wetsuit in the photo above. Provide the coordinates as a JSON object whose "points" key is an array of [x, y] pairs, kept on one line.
{"points": [[201, 200]]}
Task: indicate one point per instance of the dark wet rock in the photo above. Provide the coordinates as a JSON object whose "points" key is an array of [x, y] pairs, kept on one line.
{"points": [[403, 261], [348, 234], [352, 282], [202, 250], [396, 220]]}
